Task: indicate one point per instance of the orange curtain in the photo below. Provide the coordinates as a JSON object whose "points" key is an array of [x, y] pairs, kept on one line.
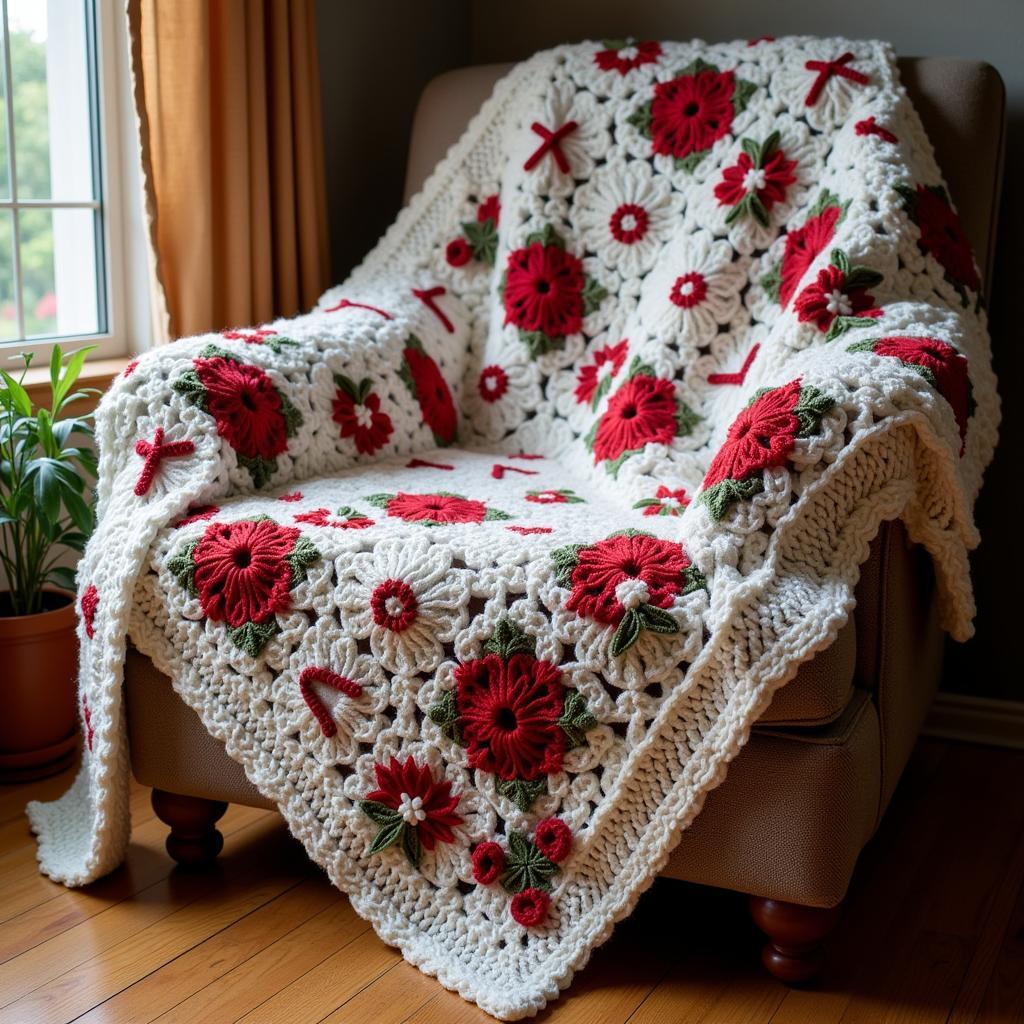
{"points": [[227, 94]]}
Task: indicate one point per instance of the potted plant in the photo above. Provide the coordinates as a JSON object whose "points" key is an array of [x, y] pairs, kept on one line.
{"points": [[47, 464]]}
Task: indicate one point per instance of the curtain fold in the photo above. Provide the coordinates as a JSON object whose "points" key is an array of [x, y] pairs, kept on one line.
{"points": [[227, 95]]}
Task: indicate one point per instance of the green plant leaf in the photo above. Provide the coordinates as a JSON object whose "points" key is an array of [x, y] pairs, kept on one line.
{"points": [[63, 577], [18, 396], [72, 371]]}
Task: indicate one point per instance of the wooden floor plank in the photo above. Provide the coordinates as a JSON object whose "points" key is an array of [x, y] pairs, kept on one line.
{"points": [[391, 999]]}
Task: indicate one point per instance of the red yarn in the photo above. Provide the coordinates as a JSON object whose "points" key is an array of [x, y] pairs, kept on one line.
{"points": [[394, 605], [241, 573], [689, 290], [89, 603], [458, 252], [659, 507], [408, 779], [423, 464], [525, 455], [87, 716], [943, 236], [869, 127], [362, 421], [488, 863], [293, 496], [435, 400], [253, 337], [155, 451], [321, 517], [315, 674], [826, 69], [778, 176], [427, 297], [554, 839], [547, 498], [601, 567], [530, 907], [740, 375], [498, 471], [493, 383], [489, 209], [509, 712], [633, 233], [544, 290], [438, 508], [245, 404], [812, 304], [589, 376], [552, 144], [762, 435], [691, 112], [526, 531], [196, 515], [130, 368], [642, 411], [610, 59], [803, 246], [346, 304], [760, 39]]}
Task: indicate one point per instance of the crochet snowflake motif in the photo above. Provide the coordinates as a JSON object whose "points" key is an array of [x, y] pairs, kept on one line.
{"points": [[484, 568]]}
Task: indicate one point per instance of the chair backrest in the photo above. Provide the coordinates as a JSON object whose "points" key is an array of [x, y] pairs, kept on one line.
{"points": [[961, 102]]}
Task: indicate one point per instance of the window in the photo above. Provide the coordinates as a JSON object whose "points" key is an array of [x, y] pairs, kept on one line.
{"points": [[60, 275]]}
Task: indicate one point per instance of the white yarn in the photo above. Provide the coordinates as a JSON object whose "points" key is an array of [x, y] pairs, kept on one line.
{"points": [[371, 632]]}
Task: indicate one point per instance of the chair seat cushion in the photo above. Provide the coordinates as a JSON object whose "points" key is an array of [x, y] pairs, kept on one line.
{"points": [[381, 543]]}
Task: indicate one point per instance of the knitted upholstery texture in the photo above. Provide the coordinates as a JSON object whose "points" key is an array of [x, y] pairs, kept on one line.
{"points": [[484, 569]]}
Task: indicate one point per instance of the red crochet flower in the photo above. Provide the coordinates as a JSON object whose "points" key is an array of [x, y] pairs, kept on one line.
{"points": [[943, 236], [544, 290], [394, 605], [554, 839], [493, 383], [530, 907], [488, 863], [321, 517], [602, 567], [547, 497], [245, 405], [668, 502], [945, 363], [803, 246], [642, 411], [689, 290], [435, 400], [439, 508], [689, 113], [509, 714], [426, 805], [292, 496], [626, 56], [458, 252], [241, 572], [362, 421], [489, 209], [589, 376], [761, 436], [829, 296], [768, 183], [89, 603], [629, 223]]}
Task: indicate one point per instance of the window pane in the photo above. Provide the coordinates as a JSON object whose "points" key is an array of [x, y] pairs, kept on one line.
{"points": [[5, 171], [58, 272], [50, 75], [8, 309]]}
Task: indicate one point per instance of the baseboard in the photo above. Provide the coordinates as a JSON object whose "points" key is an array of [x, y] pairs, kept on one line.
{"points": [[996, 723]]}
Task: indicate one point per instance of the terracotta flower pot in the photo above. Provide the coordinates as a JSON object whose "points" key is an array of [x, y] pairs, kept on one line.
{"points": [[38, 686]]}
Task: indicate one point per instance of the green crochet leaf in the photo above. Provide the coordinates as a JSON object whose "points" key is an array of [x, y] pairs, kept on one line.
{"points": [[276, 342], [565, 559], [445, 714], [772, 282], [216, 352], [693, 579], [483, 239], [627, 632], [824, 201], [742, 92], [593, 295], [691, 162], [842, 324], [640, 119], [183, 567], [493, 514], [546, 236], [303, 555], [867, 345], [521, 792], [576, 720], [252, 637], [840, 260], [411, 846], [813, 404], [538, 343], [718, 498], [525, 866], [508, 639], [686, 419], [638, 368], [292, 416], [378, 813], [379, 500], [189, 385], [862, 277], [357, 392], [695, 67], [600, 391], [657, 620], [260, 469]]}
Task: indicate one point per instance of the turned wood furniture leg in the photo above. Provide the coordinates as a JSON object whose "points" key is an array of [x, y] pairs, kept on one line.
{"points": [[793, 952], [193, 839]]}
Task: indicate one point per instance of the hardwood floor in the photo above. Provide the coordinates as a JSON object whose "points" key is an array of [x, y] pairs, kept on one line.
{"points": [[934, 930]]}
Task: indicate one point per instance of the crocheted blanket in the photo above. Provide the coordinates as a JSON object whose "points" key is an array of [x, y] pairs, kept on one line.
{"points": [[484, 568]]}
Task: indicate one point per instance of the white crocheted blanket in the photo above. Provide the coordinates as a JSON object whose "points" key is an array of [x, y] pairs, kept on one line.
{"points": [[484, 569]]}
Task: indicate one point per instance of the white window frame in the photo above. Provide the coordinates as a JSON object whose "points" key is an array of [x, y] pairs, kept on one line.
{"points": [[125, 248]]}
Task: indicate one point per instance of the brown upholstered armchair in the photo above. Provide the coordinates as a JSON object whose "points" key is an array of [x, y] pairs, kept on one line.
{"points": [[809, 790]]}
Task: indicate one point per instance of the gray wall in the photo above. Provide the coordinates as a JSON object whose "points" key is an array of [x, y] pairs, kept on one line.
{"points": [[376, 56]]}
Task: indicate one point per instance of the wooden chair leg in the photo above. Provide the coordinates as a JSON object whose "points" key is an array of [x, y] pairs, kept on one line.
{"points": [[193, 839], [793, 952]]}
